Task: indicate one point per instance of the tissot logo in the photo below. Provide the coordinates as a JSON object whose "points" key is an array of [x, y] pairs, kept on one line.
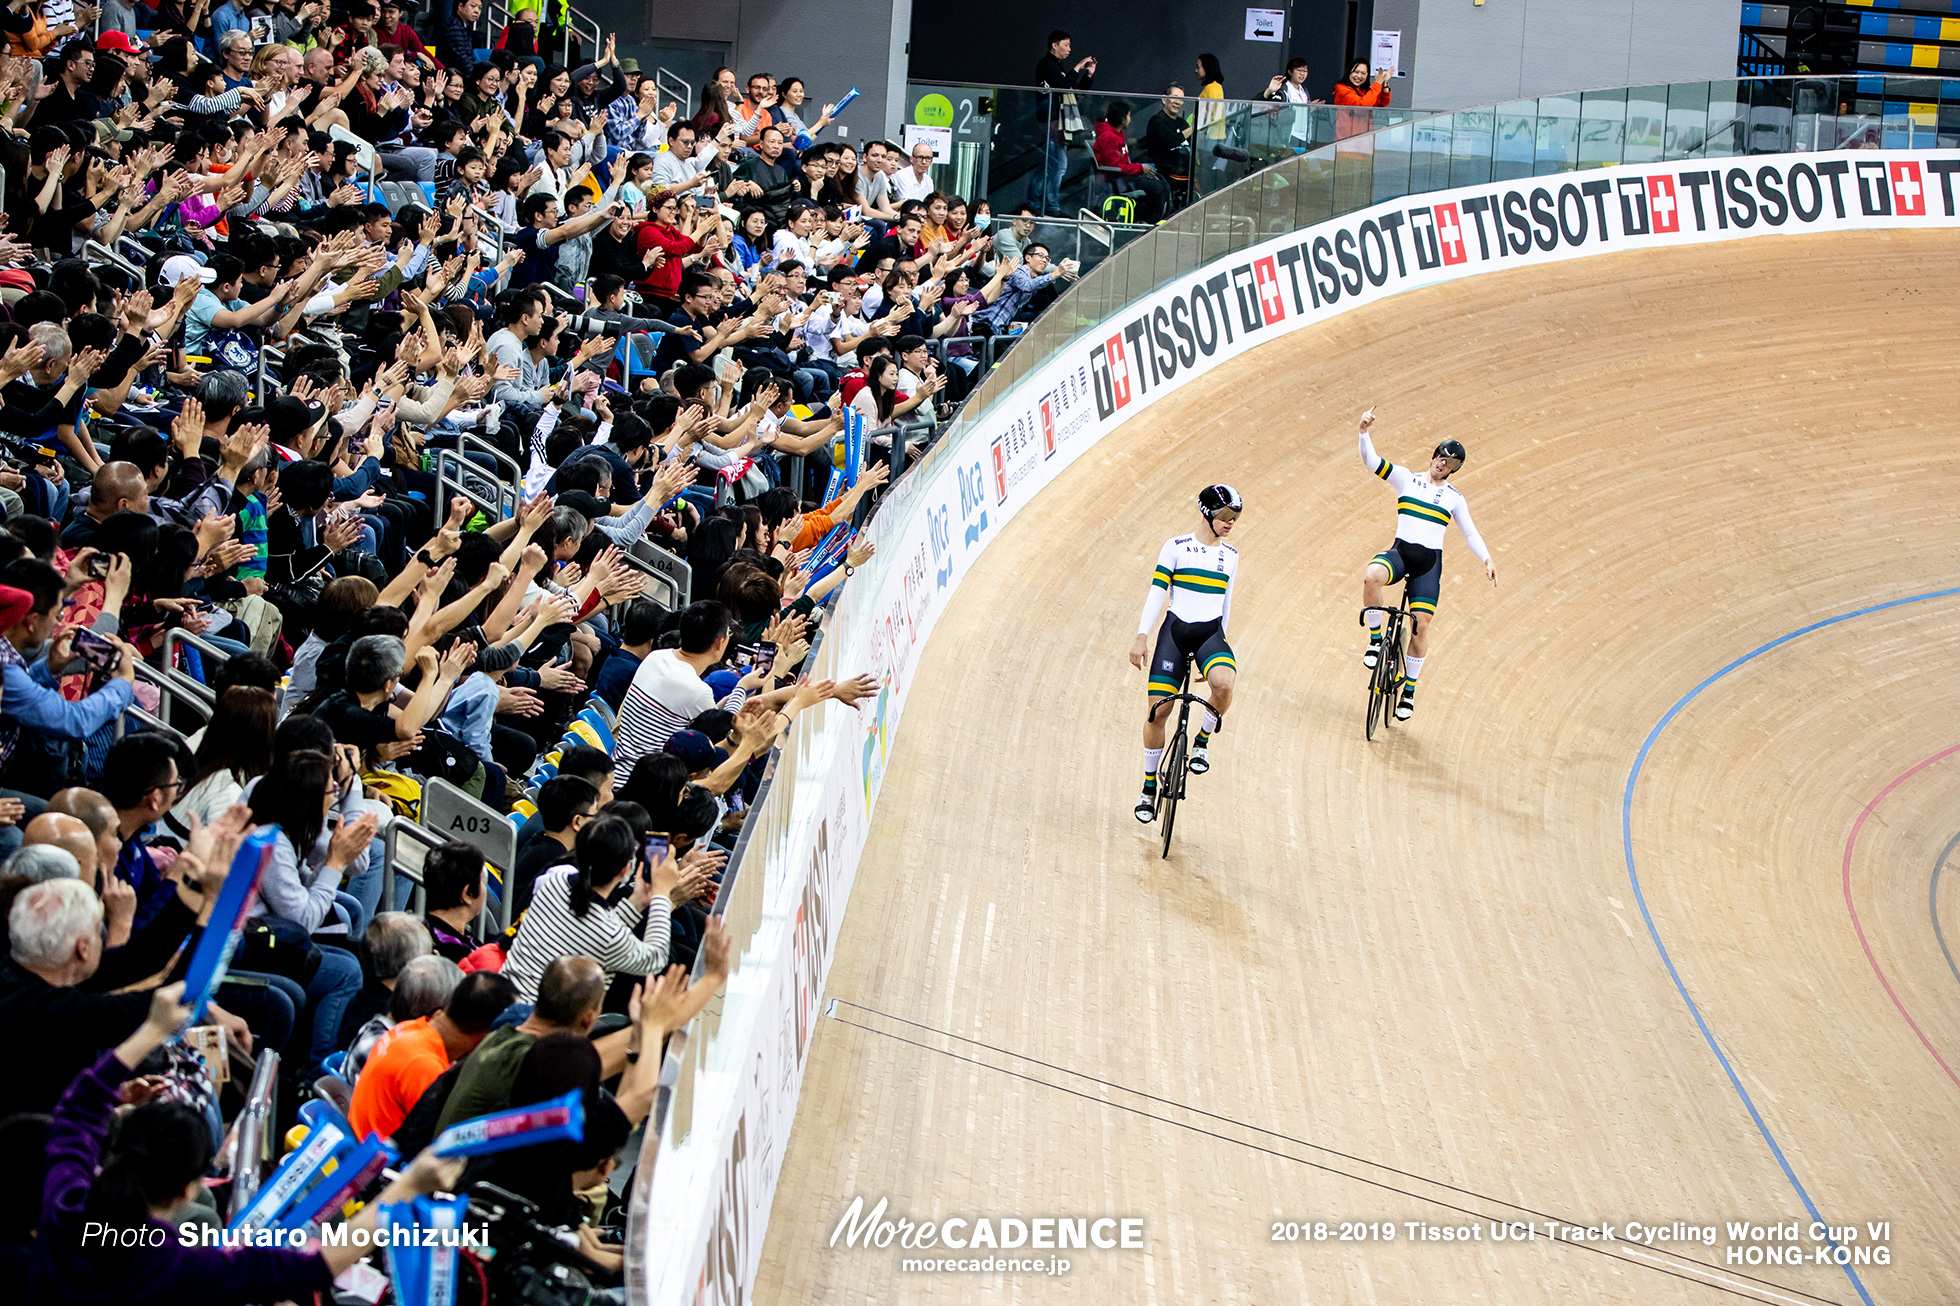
{"points": [[1109, 376], [1661, 202], [1449, 234], [1118, 362], [1265, 274], [1908, 189]]}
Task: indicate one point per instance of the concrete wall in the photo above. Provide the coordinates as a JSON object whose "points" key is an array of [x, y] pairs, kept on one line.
{"points": [[1404, 16], [1472, 54]]}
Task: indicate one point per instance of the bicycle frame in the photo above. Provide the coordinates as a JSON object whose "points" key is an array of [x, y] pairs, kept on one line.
{"points": [[1384, 675]]}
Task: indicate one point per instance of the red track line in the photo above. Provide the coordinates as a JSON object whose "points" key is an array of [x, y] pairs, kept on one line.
{"points": [[1849, 845]]}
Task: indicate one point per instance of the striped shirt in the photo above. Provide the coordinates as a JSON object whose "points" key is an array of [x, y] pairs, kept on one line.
{"points": [[251, 530], [549, 930], [665, 695], [1197, 579]]}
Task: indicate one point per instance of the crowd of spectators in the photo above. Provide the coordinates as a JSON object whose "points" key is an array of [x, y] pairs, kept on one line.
{"points": [[296, 301]]}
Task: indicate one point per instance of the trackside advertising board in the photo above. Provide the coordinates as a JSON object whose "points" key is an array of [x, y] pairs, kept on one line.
{"points": [[713, 1190]]}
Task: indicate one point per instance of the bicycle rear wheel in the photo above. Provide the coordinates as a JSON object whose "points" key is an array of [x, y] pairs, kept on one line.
{"points": [[1380, 681], [1170, 779]]}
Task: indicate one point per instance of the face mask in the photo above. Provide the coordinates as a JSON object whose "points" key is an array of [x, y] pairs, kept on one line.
{"points": [[982, 222]]}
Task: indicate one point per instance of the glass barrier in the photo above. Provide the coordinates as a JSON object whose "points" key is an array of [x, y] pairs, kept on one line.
{"points": [[1014, 145], [1523, 138], [1345, 171]]}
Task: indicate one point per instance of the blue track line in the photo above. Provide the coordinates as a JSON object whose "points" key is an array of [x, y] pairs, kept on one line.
{"points": [[1633, 875]]}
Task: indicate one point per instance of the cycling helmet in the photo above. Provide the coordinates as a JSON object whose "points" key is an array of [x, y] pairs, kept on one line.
{"points": [[1214, 499], [1452, 450]]}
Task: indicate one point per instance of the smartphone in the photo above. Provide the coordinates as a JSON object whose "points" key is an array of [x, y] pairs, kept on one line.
{"points": [[656, 849], [96, 651], [765, 658], [98, 565]]}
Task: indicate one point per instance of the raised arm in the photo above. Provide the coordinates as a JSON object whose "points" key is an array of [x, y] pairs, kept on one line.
{"points": [[1397, 477]]}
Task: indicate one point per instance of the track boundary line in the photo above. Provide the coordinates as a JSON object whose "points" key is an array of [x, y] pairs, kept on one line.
{"points": [[1850, 846], [1653, 931]]}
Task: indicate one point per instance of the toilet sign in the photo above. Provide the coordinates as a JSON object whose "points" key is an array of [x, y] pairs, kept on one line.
{"points": [[1265, 24]]}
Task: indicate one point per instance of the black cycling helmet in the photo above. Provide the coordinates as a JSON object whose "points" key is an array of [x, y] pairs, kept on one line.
{"points": [[1452, 450], [1214, 499]]}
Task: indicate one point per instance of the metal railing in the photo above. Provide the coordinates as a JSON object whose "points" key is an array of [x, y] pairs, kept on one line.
{"points": [[176, 635], [676, 88], [96, 249], [1552, 134], [497, 492], [252, 1134], [668, 571], [392, 864]]}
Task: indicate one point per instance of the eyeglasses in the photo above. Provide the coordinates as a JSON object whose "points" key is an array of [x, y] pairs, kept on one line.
{"points": [[175, 786]]}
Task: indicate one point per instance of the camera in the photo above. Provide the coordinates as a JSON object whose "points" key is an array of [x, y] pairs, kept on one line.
{"points": [[534, 1265]]}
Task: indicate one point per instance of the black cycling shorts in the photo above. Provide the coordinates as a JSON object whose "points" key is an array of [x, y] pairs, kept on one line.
{"points": [[1423, 568], [1178, 640]]}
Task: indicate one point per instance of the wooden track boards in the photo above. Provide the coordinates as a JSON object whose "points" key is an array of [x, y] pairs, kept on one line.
{"points": [[1426, 953]]}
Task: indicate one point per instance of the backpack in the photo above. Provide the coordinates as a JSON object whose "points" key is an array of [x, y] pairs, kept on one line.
{"points": [[401, 792]]}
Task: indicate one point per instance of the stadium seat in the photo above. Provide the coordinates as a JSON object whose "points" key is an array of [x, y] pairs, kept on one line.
{"points": [[333, 1091], [600, 727], [604, 709], [581, 730]]}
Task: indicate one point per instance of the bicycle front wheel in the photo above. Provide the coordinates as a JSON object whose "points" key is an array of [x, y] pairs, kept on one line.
{"points": [[1170, 783], [1377, 695]]}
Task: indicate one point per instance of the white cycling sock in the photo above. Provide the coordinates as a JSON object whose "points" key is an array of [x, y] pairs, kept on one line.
{"points": [[1375, 620], [1411, 668], [1150, 759]]}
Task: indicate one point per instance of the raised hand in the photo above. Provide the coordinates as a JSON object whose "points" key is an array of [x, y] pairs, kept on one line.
{"points": [[188, 429]]}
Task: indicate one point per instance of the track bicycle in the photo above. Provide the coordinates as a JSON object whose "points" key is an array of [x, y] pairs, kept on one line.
{"points": [[1386, 677], [1174, 766]]}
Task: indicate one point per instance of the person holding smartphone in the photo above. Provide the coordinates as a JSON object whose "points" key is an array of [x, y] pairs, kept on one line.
{"points": [[568, 915]]}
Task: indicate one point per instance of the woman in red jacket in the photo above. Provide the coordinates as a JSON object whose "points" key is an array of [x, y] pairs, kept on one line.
{"points": [[1357, 89], [663, 231], [1112, 153]]}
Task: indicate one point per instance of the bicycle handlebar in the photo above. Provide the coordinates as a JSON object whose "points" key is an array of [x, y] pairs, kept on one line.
{"points": [[1363, 618]]}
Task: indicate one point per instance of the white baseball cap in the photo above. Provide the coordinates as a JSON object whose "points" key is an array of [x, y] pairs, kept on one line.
{"points": [[179, 266]]}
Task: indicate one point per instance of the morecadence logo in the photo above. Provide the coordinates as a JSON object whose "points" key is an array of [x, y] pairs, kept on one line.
{"points": [[873, 1229]]}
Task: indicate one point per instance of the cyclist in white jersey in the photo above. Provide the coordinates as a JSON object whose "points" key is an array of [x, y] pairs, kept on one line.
{"points": [[1194, 576], [1425, 506]]}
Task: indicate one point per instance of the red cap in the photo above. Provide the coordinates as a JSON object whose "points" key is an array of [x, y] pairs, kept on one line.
{"points": [[114, 40], [14, 606]]}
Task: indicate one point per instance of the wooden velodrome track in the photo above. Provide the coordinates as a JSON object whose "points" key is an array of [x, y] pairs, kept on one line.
{"points": [[1413, 980]]}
